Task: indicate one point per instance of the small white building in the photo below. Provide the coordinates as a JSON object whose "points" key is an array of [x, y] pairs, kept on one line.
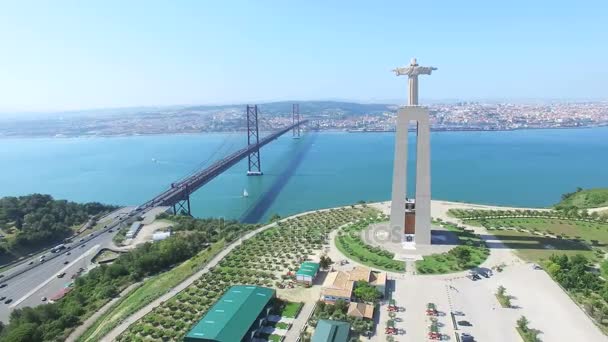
{"points": [[158, 236]]}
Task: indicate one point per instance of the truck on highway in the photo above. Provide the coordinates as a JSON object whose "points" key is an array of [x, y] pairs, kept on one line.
{"points": [[57, 248]]}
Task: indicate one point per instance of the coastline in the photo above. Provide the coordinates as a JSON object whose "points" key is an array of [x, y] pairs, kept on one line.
{"points": [[351, 131]]}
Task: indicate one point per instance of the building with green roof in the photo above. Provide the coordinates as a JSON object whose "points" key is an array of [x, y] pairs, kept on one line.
{"points": [[235, 316], [331, 331], [307, 272]]}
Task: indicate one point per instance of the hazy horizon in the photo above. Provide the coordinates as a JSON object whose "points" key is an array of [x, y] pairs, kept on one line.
{"points": [[80, 56]]}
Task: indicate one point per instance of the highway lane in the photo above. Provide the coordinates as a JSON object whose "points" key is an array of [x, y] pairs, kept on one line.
{"points": [[24, 285]]}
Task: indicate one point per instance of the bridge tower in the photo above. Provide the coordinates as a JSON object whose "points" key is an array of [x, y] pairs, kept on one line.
{"points": [[253, 138], [183, 204], [295, 117]]}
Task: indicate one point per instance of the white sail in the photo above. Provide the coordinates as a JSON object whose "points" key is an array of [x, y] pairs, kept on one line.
{"points": [[245, 193]]}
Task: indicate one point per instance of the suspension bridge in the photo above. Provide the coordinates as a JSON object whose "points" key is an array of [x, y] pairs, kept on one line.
{"points": [[178, 195]]}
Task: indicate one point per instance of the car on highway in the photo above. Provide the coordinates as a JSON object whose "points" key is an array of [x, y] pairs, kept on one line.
{"points": [[69, 253], [84, 244], [111, 230], [31, 262], [81, 240], [43, 299], [3, 285], [60, 275], [8, 301], [66, 262], [3, 298], [465, 323]]}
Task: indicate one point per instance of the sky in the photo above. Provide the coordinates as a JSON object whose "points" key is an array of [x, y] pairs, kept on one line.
{"points": [[75, 55]]}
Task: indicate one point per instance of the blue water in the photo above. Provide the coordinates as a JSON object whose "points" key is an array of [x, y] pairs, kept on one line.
{"points": [[523, 168]]}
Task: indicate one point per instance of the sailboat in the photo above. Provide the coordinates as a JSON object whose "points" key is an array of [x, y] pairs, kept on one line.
{"points": [[245, 193]]}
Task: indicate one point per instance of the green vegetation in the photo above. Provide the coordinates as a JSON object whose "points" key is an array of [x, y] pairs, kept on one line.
{"points": [[366, 292], [503, 298], [148, 292], [350, 244], [536, 238], [470, 254], [584, 199], [337, 312], [55, 321], [269, 258], [585, 287], [287, 309], [29, 223], [527, 334]]}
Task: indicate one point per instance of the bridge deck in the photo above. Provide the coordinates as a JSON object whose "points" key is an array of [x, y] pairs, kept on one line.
{"points": [[182, 189]]}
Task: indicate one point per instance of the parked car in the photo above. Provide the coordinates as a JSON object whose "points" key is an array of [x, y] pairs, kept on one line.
{"points": [[464, 337], [61, 275], [66, 262], [458, 313], [465, 323], [537, 267]]}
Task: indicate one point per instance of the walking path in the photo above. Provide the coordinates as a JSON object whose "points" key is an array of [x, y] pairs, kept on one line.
{"points": [[91, 320], [114, 333], [300, 321]]}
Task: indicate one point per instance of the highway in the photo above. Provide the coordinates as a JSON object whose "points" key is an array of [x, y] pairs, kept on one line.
{"points": [[27, 284]]}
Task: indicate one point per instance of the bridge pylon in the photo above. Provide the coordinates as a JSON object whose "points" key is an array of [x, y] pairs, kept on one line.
{"points": [[295, 117], [182, 205], [253, 138]]}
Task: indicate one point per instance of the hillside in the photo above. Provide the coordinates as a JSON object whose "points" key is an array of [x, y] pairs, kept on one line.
{"points": [[585, 199]]}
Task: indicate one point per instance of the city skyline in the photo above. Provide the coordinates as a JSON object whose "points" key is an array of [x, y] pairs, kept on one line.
{"points": [[78, 57]]}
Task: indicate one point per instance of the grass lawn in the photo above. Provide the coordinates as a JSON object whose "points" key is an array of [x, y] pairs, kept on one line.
{"points": [[356, 249], [584, 199], [449, 262], [532, 247], [149, 291], [291, 309]]}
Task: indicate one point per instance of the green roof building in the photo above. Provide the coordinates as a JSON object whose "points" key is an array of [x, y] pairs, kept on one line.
{"points": [[307, 272], [331, 331], [235, 316]]}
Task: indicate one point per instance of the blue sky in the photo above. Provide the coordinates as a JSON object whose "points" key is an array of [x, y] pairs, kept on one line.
{"points": [[58, 55]]}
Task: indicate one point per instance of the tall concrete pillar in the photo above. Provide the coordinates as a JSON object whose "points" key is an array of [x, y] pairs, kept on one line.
{"points": [[423, 176], [399, 178], [423, 181]]}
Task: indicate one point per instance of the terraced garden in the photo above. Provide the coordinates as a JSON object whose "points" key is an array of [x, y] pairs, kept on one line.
{"points": [[269, 259], [349, 243]]}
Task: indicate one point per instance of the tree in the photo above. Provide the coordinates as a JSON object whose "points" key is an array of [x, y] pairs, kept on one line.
{"points": [[366, 292], [522, 323], [275, 217], [325, 262]]}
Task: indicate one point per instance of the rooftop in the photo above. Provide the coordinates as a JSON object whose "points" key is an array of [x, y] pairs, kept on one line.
{"points": [[230, 318], [331, 331], [308, 268]]}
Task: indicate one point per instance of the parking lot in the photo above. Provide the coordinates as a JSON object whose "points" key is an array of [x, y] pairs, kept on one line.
{"points": [[534, 295]]}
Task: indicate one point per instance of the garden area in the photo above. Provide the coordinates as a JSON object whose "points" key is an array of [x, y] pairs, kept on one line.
{"points": [[470, 254], [349, 242], [269, 258], [537, 235], [337, 312]]}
